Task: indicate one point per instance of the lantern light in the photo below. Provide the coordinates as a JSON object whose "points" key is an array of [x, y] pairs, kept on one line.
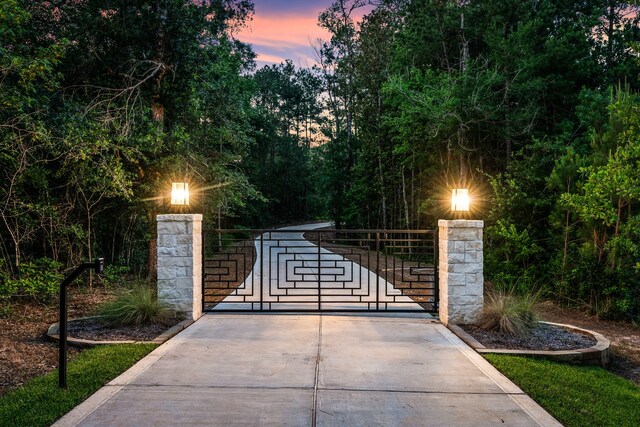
{"points": [[180, 194], [460, 200]]}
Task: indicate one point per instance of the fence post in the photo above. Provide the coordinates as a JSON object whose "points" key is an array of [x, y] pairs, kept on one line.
{"points": [[180, 263], [461, 271]]}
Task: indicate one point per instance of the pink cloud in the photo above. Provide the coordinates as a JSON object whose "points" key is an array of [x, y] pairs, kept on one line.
{"points": [[282, 31], [277, 35], [269, 59]]}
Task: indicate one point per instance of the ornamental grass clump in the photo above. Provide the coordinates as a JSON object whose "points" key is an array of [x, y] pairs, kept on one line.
{"points": [[136, 306], [510, 313]]}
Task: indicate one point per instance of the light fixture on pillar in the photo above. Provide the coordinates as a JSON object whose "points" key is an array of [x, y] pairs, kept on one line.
{"points": [[180, 194], [460, 200]]}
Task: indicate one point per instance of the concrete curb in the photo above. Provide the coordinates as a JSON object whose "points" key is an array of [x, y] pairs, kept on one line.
{"points": [[598, 354], [54, 333]]}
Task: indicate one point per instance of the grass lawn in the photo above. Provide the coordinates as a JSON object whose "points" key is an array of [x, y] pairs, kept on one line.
{"points": [[40, 402], [574, 395]]}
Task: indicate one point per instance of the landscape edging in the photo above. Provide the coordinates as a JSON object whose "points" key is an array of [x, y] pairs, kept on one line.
{"points": [[598, 354], [54, 333]]}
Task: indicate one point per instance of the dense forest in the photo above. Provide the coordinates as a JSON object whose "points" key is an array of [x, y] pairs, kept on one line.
{"points": [[532, 104]]}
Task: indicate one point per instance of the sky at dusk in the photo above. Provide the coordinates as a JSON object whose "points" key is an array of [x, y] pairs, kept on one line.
{"points": [[284, 29]]}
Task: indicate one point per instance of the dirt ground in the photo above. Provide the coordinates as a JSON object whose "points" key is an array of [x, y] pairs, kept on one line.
{"points": [[25, 349], [625, 337]]}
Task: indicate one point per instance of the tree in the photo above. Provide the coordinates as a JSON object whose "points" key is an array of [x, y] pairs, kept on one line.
{"points": [[27, 77]]}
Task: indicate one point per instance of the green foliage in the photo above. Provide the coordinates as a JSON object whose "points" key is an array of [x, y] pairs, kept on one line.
{"points": [[510, 99], [511, 260], [510, 312], [40, 402], [5, 309], [39, 279], [604, 266], [115, 275], [279, 158], [152, 92], [575, 395], [136, 306]]}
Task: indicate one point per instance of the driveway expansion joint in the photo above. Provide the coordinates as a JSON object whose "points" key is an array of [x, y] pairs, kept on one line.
{"points": [[466, 393], [211, 387], [314, 410]]}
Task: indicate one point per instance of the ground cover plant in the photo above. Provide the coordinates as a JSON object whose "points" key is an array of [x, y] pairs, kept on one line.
{"points": [[40, 402], [575, 395], [510, 313], [135, 306]]}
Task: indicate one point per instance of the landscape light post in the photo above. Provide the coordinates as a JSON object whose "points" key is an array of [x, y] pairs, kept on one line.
{"points": [[179, 255], [460, 263], [98, 267]]}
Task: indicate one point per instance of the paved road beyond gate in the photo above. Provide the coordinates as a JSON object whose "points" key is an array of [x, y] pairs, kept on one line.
{"points": [[313, 268]]}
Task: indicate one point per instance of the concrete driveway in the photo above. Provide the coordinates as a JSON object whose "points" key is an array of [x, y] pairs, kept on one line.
{"points": [[307, 370]]}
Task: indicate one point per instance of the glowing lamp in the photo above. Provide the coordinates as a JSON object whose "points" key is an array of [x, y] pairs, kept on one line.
{"points": [[460, 200], [179, 194]]}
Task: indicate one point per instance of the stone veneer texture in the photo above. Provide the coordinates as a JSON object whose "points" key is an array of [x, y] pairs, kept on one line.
{"points": [[180, 263], [461, 272]]}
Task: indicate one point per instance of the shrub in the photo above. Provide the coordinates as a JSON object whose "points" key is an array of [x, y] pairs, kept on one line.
{"points": [[510, 313], [114, 275], [136, 306], [38, 279], [512, 257], [5, 310]]}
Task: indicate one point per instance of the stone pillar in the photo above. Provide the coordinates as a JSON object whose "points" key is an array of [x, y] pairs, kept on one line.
{"points": [[461, 272], [180, 263]]}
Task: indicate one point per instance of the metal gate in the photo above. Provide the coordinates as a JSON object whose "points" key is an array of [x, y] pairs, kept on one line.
{"points": [[320, 270]]}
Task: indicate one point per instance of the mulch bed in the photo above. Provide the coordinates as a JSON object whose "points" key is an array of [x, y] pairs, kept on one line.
{"points": [[94, 329], [543, 337], [25, 349]]}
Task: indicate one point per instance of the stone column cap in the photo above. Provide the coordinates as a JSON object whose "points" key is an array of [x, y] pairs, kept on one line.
{"points": [[180, 217], [461, 223]]}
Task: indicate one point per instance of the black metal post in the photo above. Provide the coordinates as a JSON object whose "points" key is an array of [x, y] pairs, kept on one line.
{"points": [[378, 271], [98, 266], [436, 269], [319, 272], [261, 255], [204, 267]]}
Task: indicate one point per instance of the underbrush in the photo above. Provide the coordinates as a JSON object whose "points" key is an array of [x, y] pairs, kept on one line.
{"points": [[39, 279]]}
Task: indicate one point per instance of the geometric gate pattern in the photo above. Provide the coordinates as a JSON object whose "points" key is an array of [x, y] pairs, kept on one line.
{"points": [[320, 270]]}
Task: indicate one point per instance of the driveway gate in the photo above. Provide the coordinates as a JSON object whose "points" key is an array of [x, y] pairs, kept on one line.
{"points": [[320, 270]]}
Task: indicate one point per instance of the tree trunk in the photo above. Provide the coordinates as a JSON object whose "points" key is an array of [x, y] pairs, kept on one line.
{"points": [[89, 243], [404, 198]]}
